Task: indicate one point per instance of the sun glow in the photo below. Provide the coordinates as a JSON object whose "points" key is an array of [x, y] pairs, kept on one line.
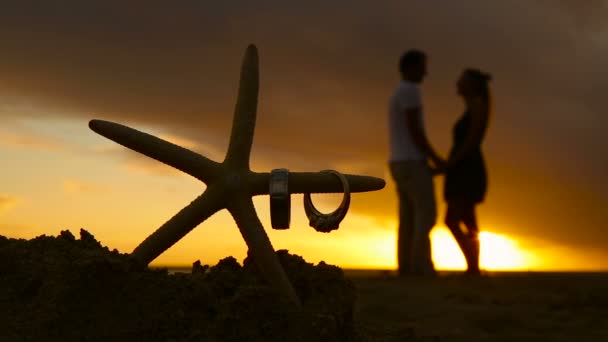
{"points": [[497, 252]]}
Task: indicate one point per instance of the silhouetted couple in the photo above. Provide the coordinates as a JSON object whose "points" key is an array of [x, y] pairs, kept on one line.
{"points": [[413, 162]]}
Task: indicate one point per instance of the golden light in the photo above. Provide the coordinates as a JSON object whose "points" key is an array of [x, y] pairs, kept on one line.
{"points": [[384, 251], [446, 253], [497, 252]]}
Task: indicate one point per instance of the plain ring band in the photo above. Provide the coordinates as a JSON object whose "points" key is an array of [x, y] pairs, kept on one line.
{"points": [[327, 222], [280, 200]]}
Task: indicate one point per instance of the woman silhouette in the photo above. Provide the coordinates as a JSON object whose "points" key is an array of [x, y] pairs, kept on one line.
{"points": [[466, 179]]}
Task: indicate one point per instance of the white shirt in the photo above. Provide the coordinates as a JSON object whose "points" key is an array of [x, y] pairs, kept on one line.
{"points": [[402, 146]]}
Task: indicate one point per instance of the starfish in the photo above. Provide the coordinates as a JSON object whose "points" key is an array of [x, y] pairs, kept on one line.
{"points": [[230, 184]]}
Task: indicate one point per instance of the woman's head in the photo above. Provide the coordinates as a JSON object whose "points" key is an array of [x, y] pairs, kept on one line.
{"points": [[474, 82]]}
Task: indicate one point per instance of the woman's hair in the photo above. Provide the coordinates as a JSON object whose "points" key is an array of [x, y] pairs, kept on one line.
{"points": [[481, 82]]}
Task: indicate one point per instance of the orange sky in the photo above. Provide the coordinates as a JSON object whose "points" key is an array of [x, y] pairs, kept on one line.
{"points": [[173, 71]]}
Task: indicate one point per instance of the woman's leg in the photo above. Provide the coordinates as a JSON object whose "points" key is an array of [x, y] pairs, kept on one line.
{"points": [[453, 217], [470, 221]]}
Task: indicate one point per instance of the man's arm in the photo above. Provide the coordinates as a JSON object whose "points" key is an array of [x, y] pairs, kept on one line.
{"points": [[415, 128]]}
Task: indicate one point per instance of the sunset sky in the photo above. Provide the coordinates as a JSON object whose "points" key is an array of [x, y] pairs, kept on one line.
{"points": [[171, 68]]}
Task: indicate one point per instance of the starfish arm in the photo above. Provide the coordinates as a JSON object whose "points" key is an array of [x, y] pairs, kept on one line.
{"points": [[176, 156], [211, 201], [317, 182], [243, 124], [260, 247]]}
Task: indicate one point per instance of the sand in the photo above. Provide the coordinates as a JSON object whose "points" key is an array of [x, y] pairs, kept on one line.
{"points": [[67, 289], [497, 307]]}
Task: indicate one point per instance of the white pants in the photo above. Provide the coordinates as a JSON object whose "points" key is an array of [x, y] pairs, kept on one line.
{"points": [[417, 215]]}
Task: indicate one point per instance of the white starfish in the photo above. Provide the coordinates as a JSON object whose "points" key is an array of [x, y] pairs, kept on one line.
{"points": [[230, 184]]}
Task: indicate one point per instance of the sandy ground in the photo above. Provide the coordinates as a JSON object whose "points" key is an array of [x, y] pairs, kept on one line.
{"points": [[496, 307], [68, 289]]}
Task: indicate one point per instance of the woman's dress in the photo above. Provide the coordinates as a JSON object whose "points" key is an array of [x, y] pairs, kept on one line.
{"points": [[467, 179]]}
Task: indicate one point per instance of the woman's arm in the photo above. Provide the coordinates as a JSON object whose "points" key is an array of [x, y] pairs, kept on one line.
{"points": [[479, 112], [419, 137]]}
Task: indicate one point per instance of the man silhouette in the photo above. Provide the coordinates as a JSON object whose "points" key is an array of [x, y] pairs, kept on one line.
{"points": [[408, 162]]}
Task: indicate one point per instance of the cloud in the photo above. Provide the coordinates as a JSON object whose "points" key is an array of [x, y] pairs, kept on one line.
{"points": [[7, 202], [325, 74], [29, 141], [142, 164], [327, 69], [74, 186], [137, 162], [20, 231]]}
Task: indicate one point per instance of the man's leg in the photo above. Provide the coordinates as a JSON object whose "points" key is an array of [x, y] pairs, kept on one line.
{"points": [[406, 220], [406, 234], [425, 217]]}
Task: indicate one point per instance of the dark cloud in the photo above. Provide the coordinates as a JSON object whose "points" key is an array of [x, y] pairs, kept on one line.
{"points": [[327, 68]]}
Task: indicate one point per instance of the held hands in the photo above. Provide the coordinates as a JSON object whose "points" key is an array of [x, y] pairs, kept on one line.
{"points": [[440, 167], [436, 172]]}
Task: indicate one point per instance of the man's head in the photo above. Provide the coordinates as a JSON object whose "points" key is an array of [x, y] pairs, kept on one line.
{"points": [[412, 66]]}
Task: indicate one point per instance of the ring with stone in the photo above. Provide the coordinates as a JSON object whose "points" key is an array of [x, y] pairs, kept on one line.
{"points": [[325, 223], [280, 200]]}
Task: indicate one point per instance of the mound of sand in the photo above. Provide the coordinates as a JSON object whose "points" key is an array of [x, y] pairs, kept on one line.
{"points": [[67, 289]]}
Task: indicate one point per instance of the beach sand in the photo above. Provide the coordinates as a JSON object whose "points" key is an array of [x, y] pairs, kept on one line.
{"points": [[501, 306], [67, 289]]}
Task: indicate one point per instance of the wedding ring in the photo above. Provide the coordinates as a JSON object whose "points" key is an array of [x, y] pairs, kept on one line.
{"points": [[280, 200], [325, 223]]}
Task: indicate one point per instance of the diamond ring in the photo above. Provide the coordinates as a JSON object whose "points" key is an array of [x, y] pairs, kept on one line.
{"points": [[325, 223]]}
